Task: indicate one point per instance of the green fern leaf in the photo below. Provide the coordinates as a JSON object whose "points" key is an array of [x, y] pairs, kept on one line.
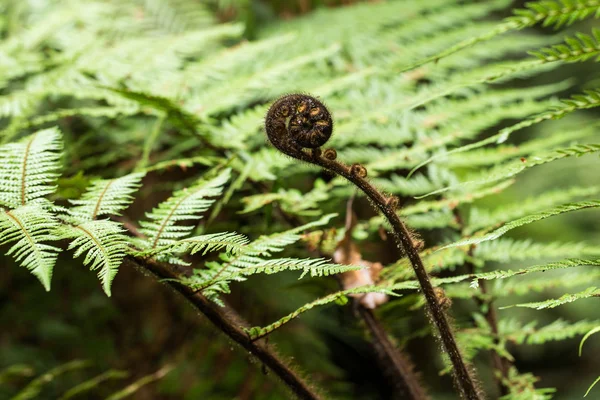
{"points": [[526, 220], [258, 332], [105, 197], [567, 298], [185, 205], [29, 168], [105, 246], [30, 226]]}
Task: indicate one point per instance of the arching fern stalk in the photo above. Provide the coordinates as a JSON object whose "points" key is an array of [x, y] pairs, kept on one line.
{"points": [[298, 125]]}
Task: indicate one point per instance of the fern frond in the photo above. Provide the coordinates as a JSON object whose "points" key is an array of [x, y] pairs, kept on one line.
{"points": [[515, 167], [567, 298], [29, 168], [105, 246], [183, 205], [481, 218], [30, 226], [526, 220], [582, 47], [558, 330], [557, 13], [314, 266], [258, 332], [589, 99], [105, 197], [506, 250], [232, 243]]}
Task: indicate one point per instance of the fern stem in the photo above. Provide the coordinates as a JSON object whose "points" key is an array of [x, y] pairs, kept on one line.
{"points": [[298, 125], [230, 324], [465, 382]]}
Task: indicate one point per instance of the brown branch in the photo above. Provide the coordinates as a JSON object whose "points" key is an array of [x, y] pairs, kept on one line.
{"points": [[231, 324]]}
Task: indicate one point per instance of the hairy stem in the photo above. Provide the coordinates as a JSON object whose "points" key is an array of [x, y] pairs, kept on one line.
{"points": [[230, 324], [299, 125], [464, 380]]}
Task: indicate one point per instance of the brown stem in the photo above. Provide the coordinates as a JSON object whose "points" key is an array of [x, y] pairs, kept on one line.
{"points": [[299, 125], [464, 380], [395, 364], [230, 324]]}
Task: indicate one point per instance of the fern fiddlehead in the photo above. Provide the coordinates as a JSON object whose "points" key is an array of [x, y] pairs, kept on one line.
{"points": [[298, 125]]}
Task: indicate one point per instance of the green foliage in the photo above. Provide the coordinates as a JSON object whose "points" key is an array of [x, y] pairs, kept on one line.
{"points": [[96, 97]]}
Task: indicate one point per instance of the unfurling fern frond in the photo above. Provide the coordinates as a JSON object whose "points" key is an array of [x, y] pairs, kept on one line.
{"points": [[29, 168], [185, 205], [31, 226], [105, 244]]}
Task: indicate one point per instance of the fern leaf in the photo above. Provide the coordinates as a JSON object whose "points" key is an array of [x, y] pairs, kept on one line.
{"points": [[258, 332], [232, 243], [526, 220], [481, 218], [555, 13], [589, 99], [580, 48], [314, 266], [558, 330], [513, 168], [30, 226], [29, 168], [184, 205], [567, 298], [105, 246], [106, 197]]}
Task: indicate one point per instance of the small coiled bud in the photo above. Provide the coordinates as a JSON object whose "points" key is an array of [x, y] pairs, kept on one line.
{"points": [[298, 121], [330, 154], [358, 170]]}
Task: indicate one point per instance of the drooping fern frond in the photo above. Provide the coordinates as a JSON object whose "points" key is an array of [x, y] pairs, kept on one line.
{"points": [[28, 168], [104, 243], [30, 227]]}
